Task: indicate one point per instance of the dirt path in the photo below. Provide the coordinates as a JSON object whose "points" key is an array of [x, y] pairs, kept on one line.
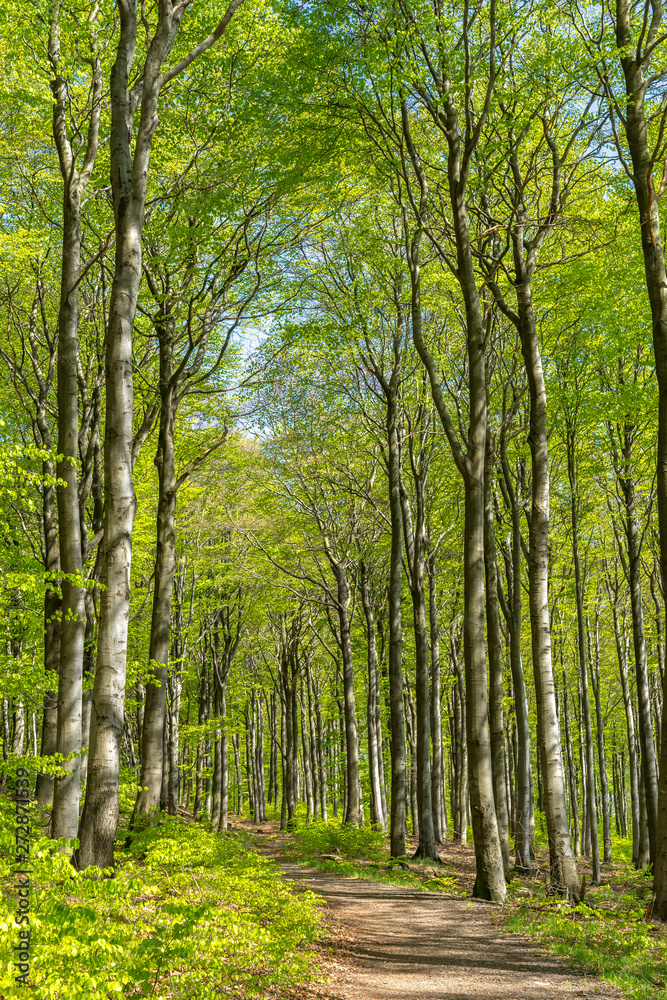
{"points": [[403, 943]]}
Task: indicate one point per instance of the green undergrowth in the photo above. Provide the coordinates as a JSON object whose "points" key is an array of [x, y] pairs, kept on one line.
{"points": [[189, 915], [608, 936], [362, 852]]}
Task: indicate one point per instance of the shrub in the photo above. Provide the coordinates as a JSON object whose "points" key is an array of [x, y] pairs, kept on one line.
{"points": [[188, 915], [327, 838]]}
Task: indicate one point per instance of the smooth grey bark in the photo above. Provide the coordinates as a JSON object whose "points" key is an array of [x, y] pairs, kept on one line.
{"points": [[175, 687], [414, 534], [621, 442], [227, 623], [305, 755], [581, 649], [494, 642], [377, 815], [525, 251], [288, 669], [314, 756], [321, 757], [490, 880], [352, 813], [129, 178], [390, 388], [90, 483], [67, 787], [44, 783], [460, 783], [397, 718], [411, 734], [260, 790], [148, 797], [635, 60], [18, 717], [622, 650], [202, 718], [594, 664], [438, 793], [512, 610], [574, 805]]}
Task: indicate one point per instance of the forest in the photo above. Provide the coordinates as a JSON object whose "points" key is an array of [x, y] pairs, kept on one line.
{"points": [[333, 482]]}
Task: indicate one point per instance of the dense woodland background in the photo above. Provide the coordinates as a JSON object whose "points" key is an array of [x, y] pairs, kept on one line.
{"points": [[333, 470]]}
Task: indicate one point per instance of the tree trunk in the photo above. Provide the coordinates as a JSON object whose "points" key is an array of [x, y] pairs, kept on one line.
{"points": [[315, 769], [438, 794], [646, 738], [490, 881], [494, 641], [321, 757], [44, 786], [67, 788], [602, 757], [305, 753], [622, 653], [129, 179], [563, 868], [634, 64], [396, 714], [148, 797], [352, 814], [574, 805], [513, 619], [411, 727], [377, 816], [581, 648]]}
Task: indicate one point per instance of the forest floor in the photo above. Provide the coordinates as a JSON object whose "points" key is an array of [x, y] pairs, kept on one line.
{"points": [[385, 941]]}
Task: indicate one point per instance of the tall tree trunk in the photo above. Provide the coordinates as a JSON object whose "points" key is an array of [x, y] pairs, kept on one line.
{"points": [[321, 757], [129, 179], [437, 769], [602, 757], [490, 880], [353, 814], [377, 816], [305, 753], [581, 647], [494, 641], [513, 612], [622, 653], [563, 868], [288, 679], [646, 738], [574, 805], [415, 548], [396, 714], [148, 797], [313, 746], [411, 732], [175, 686], [67, 788], [635, 65], [44, 786], [461, 796]]}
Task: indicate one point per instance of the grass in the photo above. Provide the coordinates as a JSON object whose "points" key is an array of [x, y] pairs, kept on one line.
{"points": [[361, 852], [619, 948], [609, 935]]}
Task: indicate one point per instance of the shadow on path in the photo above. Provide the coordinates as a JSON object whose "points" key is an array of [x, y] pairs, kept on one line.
{"points": [[431, 946]]}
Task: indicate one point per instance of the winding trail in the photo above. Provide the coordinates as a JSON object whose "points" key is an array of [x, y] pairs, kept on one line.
{"points": [[414, 945]]}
